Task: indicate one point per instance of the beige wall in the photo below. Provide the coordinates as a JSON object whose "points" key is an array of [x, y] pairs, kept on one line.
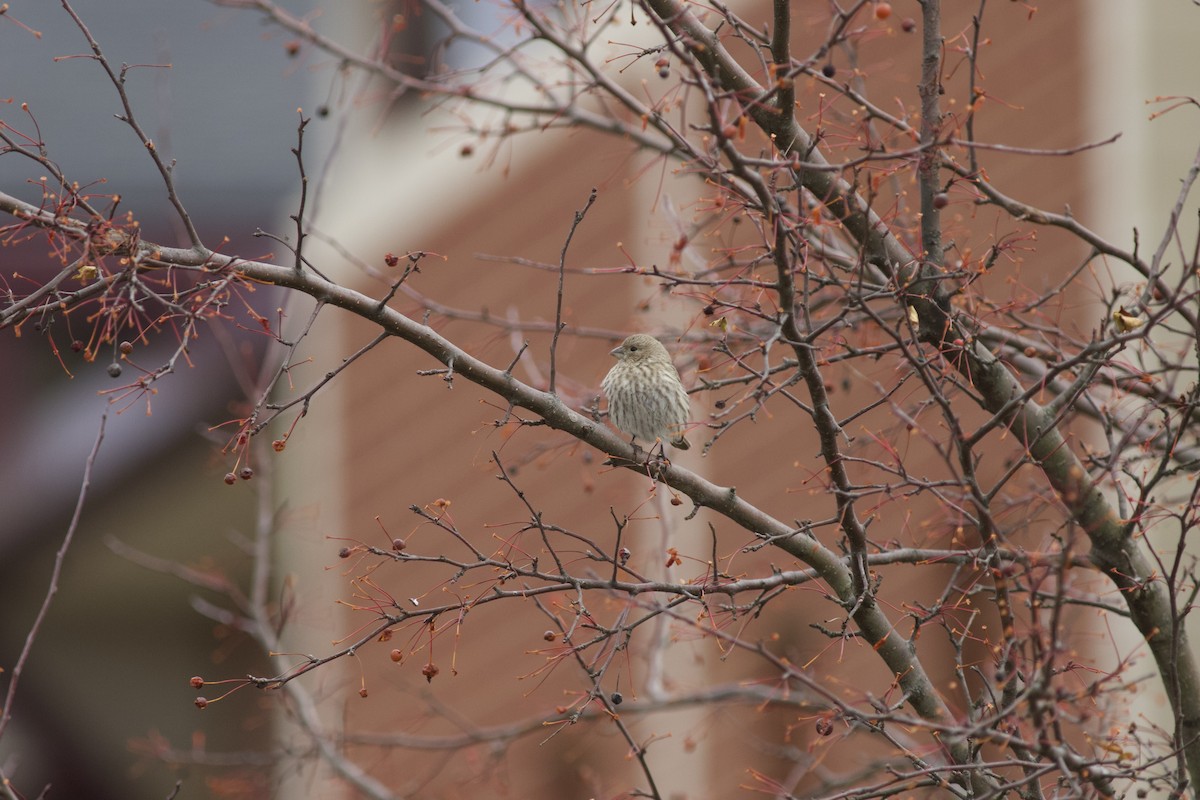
{"points": [[1144, 61]]}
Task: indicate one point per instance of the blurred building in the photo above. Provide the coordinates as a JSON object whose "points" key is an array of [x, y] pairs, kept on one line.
{"points": [[382, 437], [105, 695], [395, 439]]}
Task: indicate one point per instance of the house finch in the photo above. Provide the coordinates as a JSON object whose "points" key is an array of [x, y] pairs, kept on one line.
{"points": [[645, 397]]}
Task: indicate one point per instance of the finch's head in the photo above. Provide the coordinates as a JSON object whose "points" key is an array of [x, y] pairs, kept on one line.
{"points": [[641, 349]]}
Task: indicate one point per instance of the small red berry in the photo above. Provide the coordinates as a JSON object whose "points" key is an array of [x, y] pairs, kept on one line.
{"points": [[908, 24], [883, 10], [396, 656], [196, 682], [399, 544], [362, 692], [245, 473], [126, 348], [548, 636], [941, 200], [230, 478], [201, 703], [429, 671], [829, 70], [391, 259], [344, 552]]}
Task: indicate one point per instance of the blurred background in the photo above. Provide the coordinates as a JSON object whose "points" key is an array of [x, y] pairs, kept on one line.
{"points": [[104, 708], [106, 686]]}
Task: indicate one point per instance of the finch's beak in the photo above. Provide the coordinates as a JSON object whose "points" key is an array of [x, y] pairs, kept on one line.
{"points": [[615, 352]]}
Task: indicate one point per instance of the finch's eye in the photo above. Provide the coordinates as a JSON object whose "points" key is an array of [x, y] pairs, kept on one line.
{"points": [[633, 348]]}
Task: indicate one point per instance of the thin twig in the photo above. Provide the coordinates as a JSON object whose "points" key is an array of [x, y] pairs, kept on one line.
{"points": [[558, 304], [118, 82], [56, 572]]}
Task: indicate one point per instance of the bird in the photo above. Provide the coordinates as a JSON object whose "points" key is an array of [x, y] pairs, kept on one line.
{"points": [[646, 399]]}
